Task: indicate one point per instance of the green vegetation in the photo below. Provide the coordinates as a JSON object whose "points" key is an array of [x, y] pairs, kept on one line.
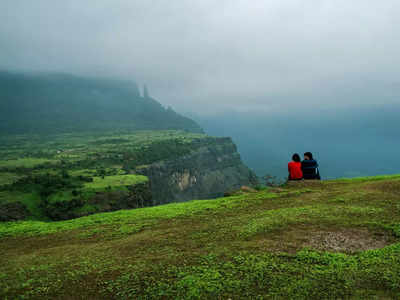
{"points": [[271, 220], [30, 200], [371, 178], [118, 181], [23, 163], [58, 176], [63, 103], [8, 178], [307, 240]]}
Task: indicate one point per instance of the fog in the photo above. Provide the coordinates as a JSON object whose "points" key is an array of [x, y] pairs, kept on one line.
{"points": [[277, 76], [208, 57], [346, 143]]}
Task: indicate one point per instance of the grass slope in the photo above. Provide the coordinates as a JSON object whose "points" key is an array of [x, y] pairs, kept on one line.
{"points": [[250, 246]]}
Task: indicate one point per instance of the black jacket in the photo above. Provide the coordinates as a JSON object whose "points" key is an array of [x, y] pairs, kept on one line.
{"points": [[310, 169]]}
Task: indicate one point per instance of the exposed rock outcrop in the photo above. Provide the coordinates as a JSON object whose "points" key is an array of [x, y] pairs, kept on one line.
{"points": [[213, 168]]}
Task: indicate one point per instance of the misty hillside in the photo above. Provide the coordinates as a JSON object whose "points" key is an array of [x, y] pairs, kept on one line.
{"points": [[48, 103]]}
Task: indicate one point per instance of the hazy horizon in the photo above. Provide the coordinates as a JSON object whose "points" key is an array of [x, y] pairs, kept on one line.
{"points": [[206, 57]]}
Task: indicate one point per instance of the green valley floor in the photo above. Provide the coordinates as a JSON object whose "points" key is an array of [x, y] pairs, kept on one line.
{"points": [[307, 240]]}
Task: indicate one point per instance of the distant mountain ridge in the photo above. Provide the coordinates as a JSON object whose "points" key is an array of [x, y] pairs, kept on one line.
{"points": [[53, 103]]}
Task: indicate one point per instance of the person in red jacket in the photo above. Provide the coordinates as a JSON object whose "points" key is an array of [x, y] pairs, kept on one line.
{"points": [[294, 168]]}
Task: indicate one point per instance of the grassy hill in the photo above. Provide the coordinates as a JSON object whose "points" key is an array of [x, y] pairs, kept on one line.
{"points": [[311, 240]]}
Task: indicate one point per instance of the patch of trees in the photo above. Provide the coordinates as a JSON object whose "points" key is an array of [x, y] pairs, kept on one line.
{"points": [[157, 151], [47, 184], [13, 211], [113, 141], [62, 210]]}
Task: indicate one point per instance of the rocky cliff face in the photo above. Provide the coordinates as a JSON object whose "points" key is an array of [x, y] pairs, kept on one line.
{"points": [[213, 168]]}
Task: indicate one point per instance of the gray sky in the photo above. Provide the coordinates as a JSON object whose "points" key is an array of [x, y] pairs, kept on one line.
{"points": [[205, 56]]}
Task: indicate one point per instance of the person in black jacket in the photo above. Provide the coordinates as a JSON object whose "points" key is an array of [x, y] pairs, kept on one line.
{"points": [[309, 166]]}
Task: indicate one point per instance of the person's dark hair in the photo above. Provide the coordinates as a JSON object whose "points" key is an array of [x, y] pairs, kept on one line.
{"points": [[309, 154], [296, 157]]}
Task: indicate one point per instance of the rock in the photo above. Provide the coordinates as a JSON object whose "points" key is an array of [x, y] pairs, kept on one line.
{"points": [[243, 190], [207, 172], [248, 189]]}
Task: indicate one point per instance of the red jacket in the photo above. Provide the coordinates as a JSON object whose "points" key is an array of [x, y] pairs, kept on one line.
{"points": [[295, 171]]}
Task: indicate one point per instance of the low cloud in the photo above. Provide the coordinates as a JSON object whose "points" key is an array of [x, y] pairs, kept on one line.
{"points": [[205, 56]]}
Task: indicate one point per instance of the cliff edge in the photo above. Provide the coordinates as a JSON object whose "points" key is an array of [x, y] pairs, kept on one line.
{"points": [[213, 168]]}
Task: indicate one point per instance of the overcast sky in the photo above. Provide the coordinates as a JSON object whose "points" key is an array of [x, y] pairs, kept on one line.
{"points": [[205, 56]]}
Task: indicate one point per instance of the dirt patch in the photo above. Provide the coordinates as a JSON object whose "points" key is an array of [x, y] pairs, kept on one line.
{"points": [[345, 240], [385, 186], [348, 240], [304, 183]]}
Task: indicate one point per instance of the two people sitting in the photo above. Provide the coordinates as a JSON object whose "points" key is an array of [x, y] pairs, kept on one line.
{"points": [[306, 169]]}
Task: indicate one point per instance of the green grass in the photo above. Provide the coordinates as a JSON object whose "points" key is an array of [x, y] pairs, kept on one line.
{"points": [[115, 182], [28, 162], [99, 184], [123, 217], [371, 178], [94, 172], [251, 246], [320, 213], [8, 178], [31, 200], [102, 148], [87, 209]]}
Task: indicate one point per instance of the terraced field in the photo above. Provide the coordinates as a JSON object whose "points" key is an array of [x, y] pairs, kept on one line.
{"points": [[309, 240]]}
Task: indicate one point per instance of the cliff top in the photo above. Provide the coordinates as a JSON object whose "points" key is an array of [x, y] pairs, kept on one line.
{"points": [[329, 239]]}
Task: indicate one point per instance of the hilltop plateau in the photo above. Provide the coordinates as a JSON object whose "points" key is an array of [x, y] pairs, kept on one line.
{"points": [[331, 239]]}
